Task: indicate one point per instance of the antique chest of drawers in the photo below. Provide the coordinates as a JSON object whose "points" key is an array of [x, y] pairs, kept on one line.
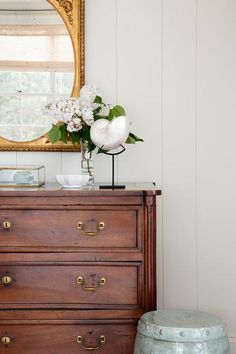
{"points": [[77, 269]]}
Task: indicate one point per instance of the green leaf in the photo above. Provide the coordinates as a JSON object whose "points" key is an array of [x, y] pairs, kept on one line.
{"points": [[54, 134], [135, 137], [118, 111], [63, 133], [111, 115], [86, 134], [91, 146], [97, 110], [98, 100], [132, 139], [75, 138], [100, 151]]}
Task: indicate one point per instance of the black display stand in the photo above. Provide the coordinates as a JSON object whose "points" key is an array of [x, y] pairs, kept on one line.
{"points": [[113, 185]]}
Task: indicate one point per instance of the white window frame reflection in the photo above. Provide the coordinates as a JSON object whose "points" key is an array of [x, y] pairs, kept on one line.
{"points": [[51, 52], [53, 93]]}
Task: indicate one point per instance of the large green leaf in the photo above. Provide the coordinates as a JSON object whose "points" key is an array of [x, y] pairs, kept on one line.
{"points": [[63, 133], [54, 134], [118, 111], [111, 115], [75, 138]]}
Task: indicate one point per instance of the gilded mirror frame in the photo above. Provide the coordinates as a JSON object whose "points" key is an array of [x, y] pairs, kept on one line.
{"points": [[72, 12]]}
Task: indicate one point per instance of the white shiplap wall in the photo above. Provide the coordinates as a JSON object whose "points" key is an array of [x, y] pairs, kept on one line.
{"points": [[172, 65]]}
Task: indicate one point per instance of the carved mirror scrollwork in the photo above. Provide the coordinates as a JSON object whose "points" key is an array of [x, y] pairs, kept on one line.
{"points": [[43, 59]]}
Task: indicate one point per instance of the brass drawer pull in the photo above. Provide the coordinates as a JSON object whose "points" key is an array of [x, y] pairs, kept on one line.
{"points": [[101, 340], [101, 282], [6, 224], [6, 340], [82, 227], [6, 280]]}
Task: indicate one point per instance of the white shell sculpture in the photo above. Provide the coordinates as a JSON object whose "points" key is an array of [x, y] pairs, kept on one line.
{"points": [[110, 135]]}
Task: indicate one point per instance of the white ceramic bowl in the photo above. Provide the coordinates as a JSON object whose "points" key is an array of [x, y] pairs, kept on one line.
{"points": [[72, 181]]}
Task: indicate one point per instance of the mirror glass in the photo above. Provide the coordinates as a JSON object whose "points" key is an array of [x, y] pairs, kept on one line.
{"points": [[36, 66]]}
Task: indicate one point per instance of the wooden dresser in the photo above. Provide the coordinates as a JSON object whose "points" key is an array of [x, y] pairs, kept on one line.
{"points": [[77, 269]]}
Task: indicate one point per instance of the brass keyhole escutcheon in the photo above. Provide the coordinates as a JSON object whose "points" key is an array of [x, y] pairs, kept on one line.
{"points": [[5, 340], [6, 280], [6, 224]]}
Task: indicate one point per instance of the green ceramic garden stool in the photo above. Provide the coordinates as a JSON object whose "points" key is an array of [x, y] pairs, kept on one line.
{"points": [[181, 332]]}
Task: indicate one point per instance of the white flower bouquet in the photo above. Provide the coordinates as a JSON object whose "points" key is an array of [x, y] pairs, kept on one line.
{"points": [[73, 117]]}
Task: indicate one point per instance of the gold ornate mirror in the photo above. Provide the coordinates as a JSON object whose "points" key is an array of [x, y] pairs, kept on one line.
{"points": [[41, 59]]}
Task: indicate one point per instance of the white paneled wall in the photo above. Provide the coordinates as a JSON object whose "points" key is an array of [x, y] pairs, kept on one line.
{"points": [[216, 158], [179, 107], [172, 64]]}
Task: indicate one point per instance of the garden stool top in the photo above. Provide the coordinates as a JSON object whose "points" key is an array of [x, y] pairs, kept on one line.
{"points": [[181, 326]]}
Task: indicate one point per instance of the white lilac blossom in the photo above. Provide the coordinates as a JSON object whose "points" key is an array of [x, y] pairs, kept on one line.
{"points": [[88, 94], [87, 115], [74, 125], [74, 111]]}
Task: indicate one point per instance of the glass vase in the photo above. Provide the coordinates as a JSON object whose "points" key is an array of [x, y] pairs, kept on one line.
{"points": [[87, 161]]}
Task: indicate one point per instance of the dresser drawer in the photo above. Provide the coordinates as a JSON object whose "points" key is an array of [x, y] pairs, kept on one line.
{"points": [[52, 286], [67, 339], [105, 228]]}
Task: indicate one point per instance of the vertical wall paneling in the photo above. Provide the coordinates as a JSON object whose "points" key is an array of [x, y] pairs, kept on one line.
{"points": [[216, 158], [100, 61], [139, 85], [179, 220], [139, 40]]}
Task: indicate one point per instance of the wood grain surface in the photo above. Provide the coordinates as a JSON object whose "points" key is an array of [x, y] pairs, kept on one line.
{"points": [[45, 308]]}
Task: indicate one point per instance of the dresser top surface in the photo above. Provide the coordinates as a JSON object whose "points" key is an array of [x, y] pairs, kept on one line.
{"points": [[54, 189]]}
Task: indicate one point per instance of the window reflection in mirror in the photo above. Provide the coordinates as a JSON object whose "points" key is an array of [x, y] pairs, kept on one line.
{"points": [[36, 66]]}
